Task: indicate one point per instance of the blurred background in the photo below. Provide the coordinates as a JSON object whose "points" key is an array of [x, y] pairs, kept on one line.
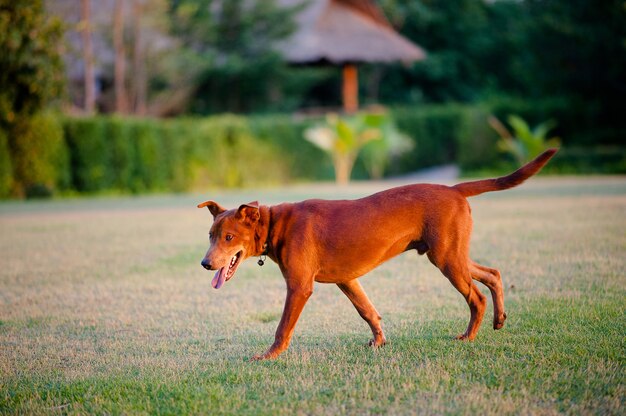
{"points": [[134, 96]]}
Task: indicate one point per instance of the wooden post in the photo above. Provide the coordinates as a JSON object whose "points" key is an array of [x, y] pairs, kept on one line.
{"points": [[350, 89]]}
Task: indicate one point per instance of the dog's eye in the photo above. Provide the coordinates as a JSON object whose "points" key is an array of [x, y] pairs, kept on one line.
{"points": [[210, 236], [229, 237]]}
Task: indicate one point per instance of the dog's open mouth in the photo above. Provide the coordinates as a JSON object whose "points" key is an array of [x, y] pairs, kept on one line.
{"points": [[225, 273]]}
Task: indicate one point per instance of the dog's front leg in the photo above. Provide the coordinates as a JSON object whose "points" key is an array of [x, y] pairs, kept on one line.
{"points": [[297, 295]]}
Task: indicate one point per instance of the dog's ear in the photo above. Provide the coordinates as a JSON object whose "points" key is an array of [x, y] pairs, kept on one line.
{"points": [[215, 208], [249, 213]]}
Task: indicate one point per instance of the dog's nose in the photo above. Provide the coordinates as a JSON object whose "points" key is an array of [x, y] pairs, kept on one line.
{"points": [[205, 264]]}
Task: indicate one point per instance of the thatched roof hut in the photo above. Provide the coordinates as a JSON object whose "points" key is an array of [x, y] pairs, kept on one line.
{"points": [[346, 32]]}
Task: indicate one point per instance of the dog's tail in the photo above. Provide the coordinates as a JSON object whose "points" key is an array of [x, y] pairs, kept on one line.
{"points": [[506, 182]]}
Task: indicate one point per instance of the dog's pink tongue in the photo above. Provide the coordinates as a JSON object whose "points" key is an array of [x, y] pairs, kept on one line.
{"points": [[218, 279]]}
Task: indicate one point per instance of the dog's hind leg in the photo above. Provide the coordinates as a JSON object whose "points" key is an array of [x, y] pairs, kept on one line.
{"points": [[354, 291], [491, 278], [459, 275]]}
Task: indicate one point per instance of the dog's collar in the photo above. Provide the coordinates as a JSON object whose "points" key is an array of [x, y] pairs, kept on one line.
{"points": [[266, 246]]}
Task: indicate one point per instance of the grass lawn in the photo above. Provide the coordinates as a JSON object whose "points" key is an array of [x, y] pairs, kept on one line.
{"points": [[104, 308]]}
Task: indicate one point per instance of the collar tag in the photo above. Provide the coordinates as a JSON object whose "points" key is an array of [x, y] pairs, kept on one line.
{"points": [[263, 256]]}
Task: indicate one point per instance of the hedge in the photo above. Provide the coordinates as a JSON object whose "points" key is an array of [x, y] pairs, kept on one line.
{"points": [[304, 160], [6, 168], [143, 155], [38, 156], [460, 134], [131, 155], [445, 134]]}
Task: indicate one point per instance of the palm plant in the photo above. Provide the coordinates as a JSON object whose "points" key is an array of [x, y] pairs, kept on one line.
{"points": [[524, 143], [377, 154], [345, 137]]}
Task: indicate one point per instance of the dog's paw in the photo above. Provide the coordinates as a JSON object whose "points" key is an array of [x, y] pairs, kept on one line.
{"points": [[374, 343], [267, 356], [260, 357], [498, 323]]}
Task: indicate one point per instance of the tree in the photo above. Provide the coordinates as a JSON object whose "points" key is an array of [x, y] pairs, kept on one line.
{"points": [[31, 77], [231, 46], [140, 81], [90, 80], [30, 63], [119, 79], [579, 51], [455, 34]]}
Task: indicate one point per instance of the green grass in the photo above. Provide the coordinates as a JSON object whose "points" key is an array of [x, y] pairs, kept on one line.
{"points": [[104, 308]]}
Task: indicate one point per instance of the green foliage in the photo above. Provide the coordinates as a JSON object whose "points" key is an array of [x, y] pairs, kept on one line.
{"points": [[39, 157], [229, 155], [177, 151], [230, 45], [434, 129], [378, 154], [132, 155], [343, 138], [90, 154], [454, 69], [476, 142], [303, 159], [119, 132], [148, 172], [446, 134], [6, 168], [30, 77], [576, 49], [589, 160], [141, 155], [533, 49], [221, 60], [30, 65], [523, 143]]}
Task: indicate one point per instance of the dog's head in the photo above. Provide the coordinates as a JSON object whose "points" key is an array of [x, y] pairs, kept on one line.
{"points": [[232, 239]]}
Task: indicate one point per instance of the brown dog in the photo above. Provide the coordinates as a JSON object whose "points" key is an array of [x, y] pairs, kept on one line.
{"points": [[339, 241]]}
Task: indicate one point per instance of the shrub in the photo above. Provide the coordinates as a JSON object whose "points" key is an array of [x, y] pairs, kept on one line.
{"points": [[343, 138], [377, 155], [524, 143], [122, 148], [6, 169], [39, 156], [142, 155], [589, 160], [148, 172], [285, 133], [476, 141], [214, 160], [90, 154], [229, 155], [434, 129], [178, 149], [577, 121]]}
